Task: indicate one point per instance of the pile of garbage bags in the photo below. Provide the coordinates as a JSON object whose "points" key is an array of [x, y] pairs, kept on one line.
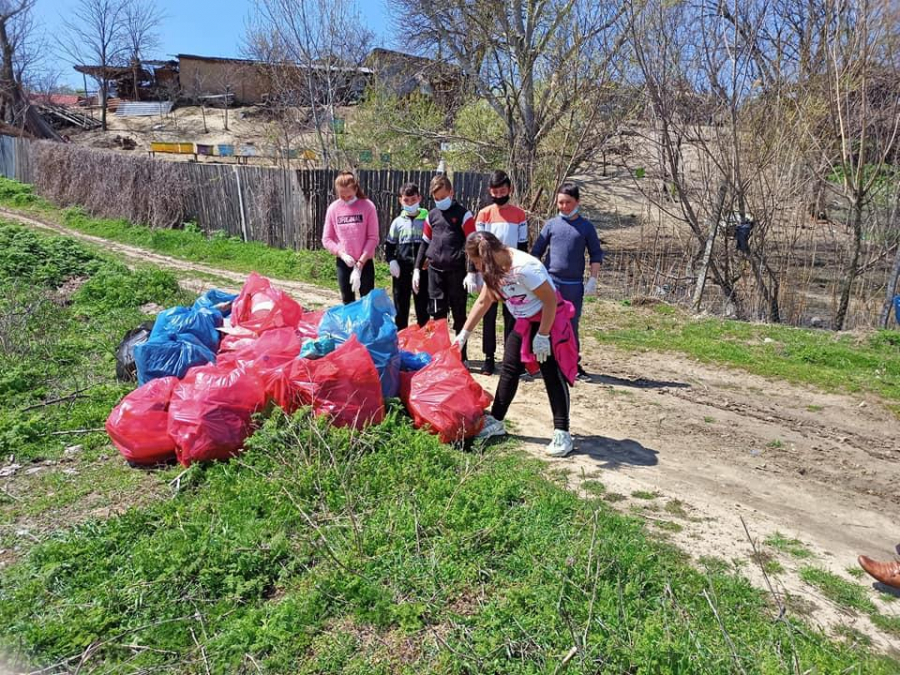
{"points": [[205, 370]]}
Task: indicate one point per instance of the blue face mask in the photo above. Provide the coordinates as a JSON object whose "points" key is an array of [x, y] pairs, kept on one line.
{"points": [[443, 204], [571, 216], [349, 202], [411, 210]]}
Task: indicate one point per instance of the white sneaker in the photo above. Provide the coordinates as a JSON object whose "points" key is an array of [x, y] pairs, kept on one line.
{"points": [[561, 445], [492, 427]]}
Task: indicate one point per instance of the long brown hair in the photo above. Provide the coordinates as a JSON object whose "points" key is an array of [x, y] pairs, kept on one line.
{"points": [[347, 179], [494, 258]]}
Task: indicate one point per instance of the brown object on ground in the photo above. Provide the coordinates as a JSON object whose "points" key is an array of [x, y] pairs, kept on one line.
{"points": [[887, 573]]}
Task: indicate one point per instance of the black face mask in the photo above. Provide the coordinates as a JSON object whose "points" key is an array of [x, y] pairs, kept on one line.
{"points": [[500, 201]]}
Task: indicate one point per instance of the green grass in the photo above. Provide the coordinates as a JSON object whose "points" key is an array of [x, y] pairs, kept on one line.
{"points": [[190, 243], [793, 547], [411, 539], [840, 591], [832, 361], [644, 494], [776, 444], [850, 596]]}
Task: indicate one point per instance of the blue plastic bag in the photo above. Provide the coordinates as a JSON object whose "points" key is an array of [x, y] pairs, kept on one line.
{"points": [[371, 320], [897, 308], [316, 349], [173, 355], [214, 297], [413, 361], [178, 321]]}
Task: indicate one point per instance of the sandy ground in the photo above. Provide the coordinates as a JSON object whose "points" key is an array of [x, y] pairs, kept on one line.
{"points": [[730, 447]]}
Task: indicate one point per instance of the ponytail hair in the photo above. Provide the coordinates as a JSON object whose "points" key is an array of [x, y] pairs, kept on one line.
{"points": [[347, 179], [494, 257]]}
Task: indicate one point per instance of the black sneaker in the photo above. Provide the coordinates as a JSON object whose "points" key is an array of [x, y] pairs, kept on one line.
{"points": [[582, 375], [487, 368]]}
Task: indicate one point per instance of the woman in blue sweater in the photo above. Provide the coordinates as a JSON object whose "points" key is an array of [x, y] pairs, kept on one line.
{"points": [[568, 236]]}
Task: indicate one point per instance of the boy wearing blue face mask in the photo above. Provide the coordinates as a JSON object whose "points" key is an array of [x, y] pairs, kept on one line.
{"points": [[400, 250], [568, 236], [443, 252]]}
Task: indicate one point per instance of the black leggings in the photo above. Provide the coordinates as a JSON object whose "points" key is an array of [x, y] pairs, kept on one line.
{"points": [[367, 282], [554, 382]]}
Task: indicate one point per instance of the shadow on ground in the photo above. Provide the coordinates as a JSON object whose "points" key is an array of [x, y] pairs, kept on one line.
{"points": [[609, 453], [637, 383]]}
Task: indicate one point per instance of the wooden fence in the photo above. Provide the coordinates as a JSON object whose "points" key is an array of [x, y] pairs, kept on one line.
{"points": [[280, 207]]}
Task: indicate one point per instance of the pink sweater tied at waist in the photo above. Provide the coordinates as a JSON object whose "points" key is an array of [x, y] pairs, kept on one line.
{"points": [[562, 340]]}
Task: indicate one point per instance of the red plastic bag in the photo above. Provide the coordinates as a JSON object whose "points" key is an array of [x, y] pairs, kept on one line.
{"points": [[210, 412], [271, 349], [343, 385], [431, 338], [260, 306], [234, 339], [447, 399], [138, 425], [309, 325]]}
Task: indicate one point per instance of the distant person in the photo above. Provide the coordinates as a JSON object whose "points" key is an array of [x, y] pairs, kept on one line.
{"points": [[568, 236], [509, 224], [401, 249], [443, 254], [351, 234], [543, 332]]}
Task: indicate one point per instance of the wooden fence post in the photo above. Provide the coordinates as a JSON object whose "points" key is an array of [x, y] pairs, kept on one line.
{"points": [[237, 177]]}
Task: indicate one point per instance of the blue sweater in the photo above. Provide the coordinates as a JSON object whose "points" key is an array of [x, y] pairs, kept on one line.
{"points": [[568, 240]]}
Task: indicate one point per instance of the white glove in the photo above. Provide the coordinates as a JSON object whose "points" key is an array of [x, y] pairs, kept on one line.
{"points": [[590, 286], [395, 268], [541, 347], [416, 274], [470, 283], [461, 338], [355, 280], [348, 260]]}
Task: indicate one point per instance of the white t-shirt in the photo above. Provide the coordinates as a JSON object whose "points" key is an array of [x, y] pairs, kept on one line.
{"points": [[526, 274]]}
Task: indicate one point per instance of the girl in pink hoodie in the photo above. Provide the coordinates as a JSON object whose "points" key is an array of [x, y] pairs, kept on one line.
{"points": [[351, 234]]}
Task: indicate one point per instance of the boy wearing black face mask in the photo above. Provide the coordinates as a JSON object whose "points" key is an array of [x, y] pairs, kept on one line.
{"points": [[400, 250], [509, 224]]}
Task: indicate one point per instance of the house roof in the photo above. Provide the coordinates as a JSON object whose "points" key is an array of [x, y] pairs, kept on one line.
{"points": [[55, 99], [256, 62]]}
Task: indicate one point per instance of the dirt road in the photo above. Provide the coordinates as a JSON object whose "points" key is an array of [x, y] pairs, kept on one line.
{"points": [[699, 449]]}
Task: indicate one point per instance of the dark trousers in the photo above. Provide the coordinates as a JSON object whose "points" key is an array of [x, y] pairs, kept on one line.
{"points": [[447, 297], [574, 293], [367, 283], [489, 328], [554, 382], [402, 287]]}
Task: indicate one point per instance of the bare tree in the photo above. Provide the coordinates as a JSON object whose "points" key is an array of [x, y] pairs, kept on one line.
{"points": [[542, 65], [141, 20], [16, 27], [314, 50], [95, 35]]}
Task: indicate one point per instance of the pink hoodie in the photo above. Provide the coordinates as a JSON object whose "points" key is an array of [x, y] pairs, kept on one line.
{"points": [[351, 229]]}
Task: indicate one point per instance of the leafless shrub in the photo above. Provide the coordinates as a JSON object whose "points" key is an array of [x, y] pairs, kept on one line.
{"points": [[108, 184]]}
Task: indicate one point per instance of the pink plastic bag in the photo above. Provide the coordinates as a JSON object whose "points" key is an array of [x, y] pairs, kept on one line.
{"points": [[446, 399], [138, 425], [431, 338], [210, 412], [260, 306], [343, 385], [309, 325]]}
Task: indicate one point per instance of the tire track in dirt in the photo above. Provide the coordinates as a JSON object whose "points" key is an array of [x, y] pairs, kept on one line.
{"points": [[722, 446]]}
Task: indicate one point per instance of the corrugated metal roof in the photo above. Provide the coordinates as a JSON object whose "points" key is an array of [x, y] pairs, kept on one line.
{"points": [[134, 109]]}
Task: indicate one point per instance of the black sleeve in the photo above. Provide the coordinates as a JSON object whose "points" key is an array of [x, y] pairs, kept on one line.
{"points": [[523, 246], [420, 258], [390, 251]]}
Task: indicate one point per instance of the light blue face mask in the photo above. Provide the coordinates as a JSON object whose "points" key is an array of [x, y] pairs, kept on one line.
{"points": [[411, 210], [443, 204], [571, 216], [349, 202]]}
